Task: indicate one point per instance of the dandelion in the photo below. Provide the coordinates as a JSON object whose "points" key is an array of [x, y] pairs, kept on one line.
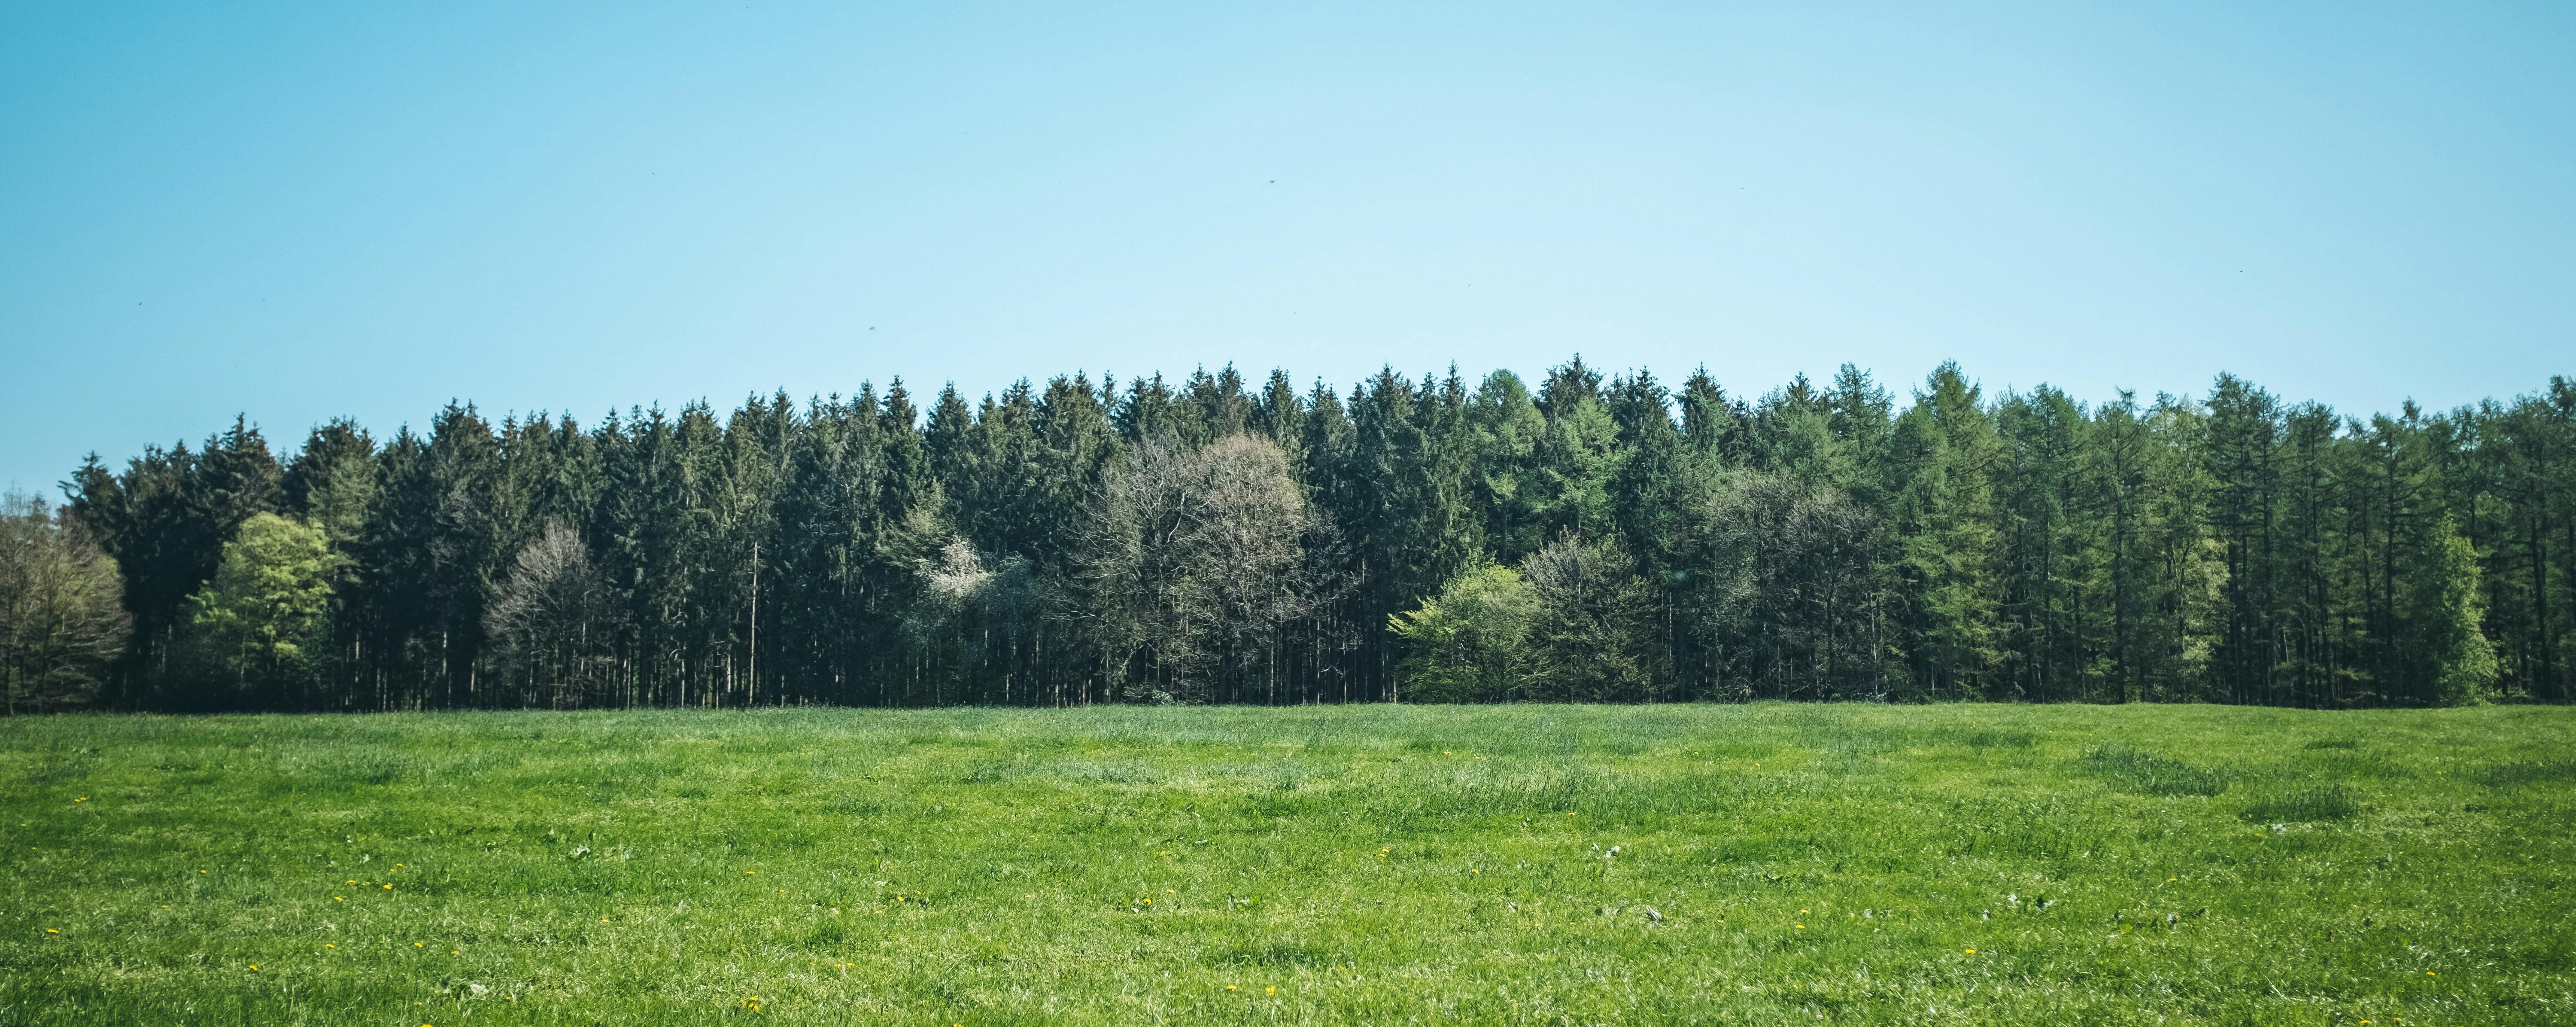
{"points": [[1801, 926], [50, 930], [1270, 991], [254, 967], [1229, 987], [389, 887], [328, 945], [1972, 952], [334, 898]]}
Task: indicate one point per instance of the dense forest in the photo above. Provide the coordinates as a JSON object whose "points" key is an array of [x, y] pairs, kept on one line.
{"points": [[1216, 540]]}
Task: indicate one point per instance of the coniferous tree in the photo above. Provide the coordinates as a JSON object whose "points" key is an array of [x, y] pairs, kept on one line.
{"points": [[1942, 457], [1821, 543]]}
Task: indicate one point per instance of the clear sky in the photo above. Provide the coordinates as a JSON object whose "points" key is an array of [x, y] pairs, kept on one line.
{"points": [[299, 211]]}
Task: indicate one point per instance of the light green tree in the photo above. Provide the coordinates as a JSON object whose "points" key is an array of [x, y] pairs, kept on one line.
{"points": [[1470, 643], [61, 619], [259, 621], [2447, 611]]}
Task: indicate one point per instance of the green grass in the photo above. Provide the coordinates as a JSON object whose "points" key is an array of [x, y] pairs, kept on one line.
{"points": [[1774, 864]]}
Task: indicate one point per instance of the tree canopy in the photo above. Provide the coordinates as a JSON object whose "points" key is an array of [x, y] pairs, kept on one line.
{"points": [[1596, 537]]}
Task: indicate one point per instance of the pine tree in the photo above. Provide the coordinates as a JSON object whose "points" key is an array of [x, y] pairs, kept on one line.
{"points": [[1942, 456]]}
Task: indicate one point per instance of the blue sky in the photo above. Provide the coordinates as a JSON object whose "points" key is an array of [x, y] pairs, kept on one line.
{"points": [[303, 211]]}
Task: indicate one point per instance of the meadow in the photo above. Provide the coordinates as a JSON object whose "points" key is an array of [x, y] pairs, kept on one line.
{"points": [[1759, 864]]}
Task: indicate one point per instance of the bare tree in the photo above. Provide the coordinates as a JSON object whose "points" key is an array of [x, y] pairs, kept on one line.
{"points": [[62, 618], [1594, 629], [974, 616], [1194, 567], [550, 618]]}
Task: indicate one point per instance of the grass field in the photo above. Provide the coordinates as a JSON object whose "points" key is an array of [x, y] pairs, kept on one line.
{"points": [[1712, 864]]}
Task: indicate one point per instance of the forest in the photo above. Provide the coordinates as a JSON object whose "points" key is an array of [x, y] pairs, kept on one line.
{"points": [[1597, 538]]}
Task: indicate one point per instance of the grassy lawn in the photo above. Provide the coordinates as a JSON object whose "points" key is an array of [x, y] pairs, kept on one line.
{"points": [[1712, 864]]}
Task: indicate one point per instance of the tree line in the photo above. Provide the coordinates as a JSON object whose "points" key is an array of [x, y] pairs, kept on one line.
{"points": [[1609, 539]]}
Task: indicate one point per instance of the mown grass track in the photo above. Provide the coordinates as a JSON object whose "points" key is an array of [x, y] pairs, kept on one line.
{"points": [[1774, 864]]}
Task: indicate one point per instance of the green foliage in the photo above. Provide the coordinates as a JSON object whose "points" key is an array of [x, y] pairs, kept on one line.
{"points": [[2447, 611], [1828, 540], [261, 617], [1362, 864], [1470, 643], [60, 620]]}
